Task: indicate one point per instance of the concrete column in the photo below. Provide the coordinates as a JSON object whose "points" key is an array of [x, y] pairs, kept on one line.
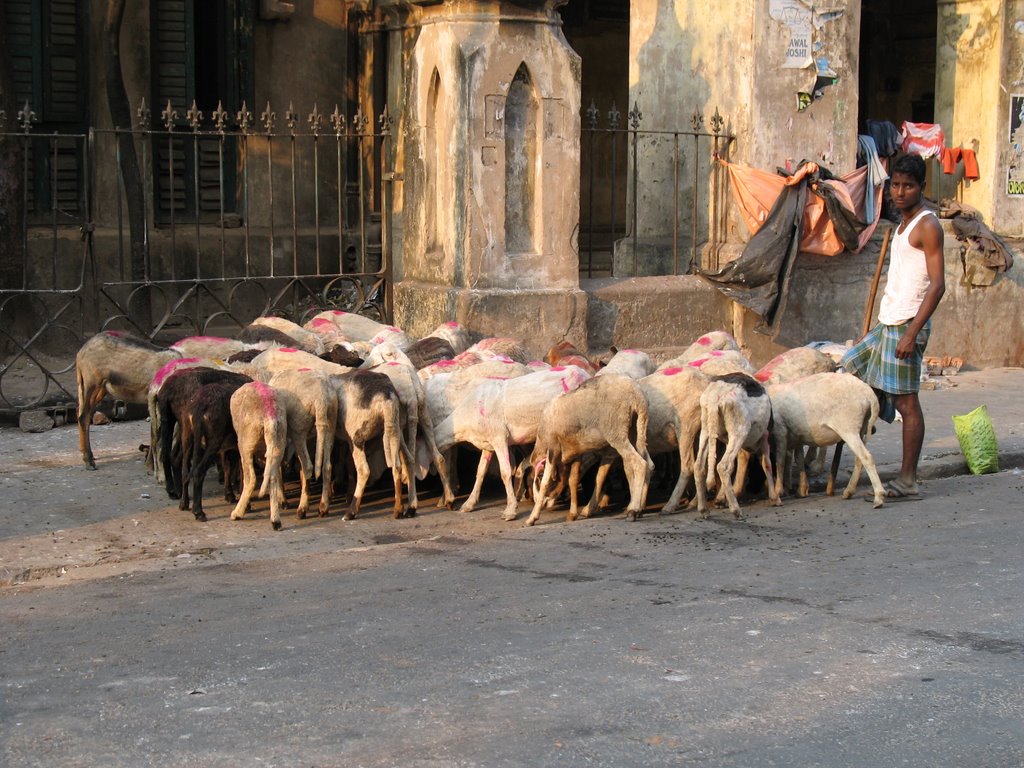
{"points": [[491, 173]]}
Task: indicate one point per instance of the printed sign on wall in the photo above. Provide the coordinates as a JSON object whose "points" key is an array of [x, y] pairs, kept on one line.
{"points": [[1015, 173]]}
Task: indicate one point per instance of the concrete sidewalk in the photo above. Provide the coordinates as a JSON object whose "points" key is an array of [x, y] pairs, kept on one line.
{"points": [[1001, 390]]}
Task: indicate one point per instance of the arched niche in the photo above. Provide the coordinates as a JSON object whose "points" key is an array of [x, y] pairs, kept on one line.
{"points": [[522, 147], [434, 161]]}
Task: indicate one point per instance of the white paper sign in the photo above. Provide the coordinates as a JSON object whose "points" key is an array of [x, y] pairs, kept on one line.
{"points": [[797, 16]]}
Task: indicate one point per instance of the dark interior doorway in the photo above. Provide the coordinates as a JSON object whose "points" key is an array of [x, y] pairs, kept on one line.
{"points": [[598, 30], [897, 61]]}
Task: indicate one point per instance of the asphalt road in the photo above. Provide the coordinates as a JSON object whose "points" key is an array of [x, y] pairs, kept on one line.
{"points": [[820, 633]]}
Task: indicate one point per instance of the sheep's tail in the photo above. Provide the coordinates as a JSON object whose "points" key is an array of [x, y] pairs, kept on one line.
{"points": [[393, 436], [642, 414], [272, 458], [324, 428]]}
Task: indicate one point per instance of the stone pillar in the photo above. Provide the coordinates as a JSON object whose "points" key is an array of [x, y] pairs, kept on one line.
{"points": [[979, 99], [491, 174], [749, 60]]}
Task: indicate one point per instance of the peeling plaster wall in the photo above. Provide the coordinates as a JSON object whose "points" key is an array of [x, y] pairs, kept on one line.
{"points": [[456, 160], [968, 85], [682, 58], [826, 131]]}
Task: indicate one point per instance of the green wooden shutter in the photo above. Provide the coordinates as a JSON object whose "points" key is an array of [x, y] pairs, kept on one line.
{"points": [[47, 48]]}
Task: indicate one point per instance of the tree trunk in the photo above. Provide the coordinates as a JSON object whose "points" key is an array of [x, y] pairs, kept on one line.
{"points": [[12, 189], [121, 117]]}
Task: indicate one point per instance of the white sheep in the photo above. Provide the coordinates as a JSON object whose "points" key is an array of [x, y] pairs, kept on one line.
{"points": [[734, 408], [259, 416], [822, 410], [114, 363]]}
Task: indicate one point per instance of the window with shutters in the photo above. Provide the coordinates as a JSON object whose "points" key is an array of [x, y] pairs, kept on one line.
{"points": [[46, 44], [202, 53]]}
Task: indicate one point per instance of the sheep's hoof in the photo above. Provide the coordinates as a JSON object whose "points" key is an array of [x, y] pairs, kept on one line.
{"points": [[632, 517], [737, 514], [509, 516], [878, 503], [301, 514], [276, 524], [201, 516], [530, 522], [449, 504], [323, 511], [349, 516], [410, 512]]}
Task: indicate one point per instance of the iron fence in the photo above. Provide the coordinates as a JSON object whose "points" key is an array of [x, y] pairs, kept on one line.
{"points": [[240, 216], [650, 199]]}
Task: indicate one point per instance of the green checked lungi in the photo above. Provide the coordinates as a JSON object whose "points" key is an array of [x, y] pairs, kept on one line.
{"points": [[873, 359]]}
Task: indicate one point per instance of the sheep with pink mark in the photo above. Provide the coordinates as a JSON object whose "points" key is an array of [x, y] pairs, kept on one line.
{"points": [[279, 359], [454, 333], [715, 362], [499, 347], [353, 326], [154, 459], [259, 415], [496, 414], [674, 419]]}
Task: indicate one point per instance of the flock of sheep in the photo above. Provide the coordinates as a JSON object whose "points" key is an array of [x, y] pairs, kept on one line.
{"points": [[351, 398]]}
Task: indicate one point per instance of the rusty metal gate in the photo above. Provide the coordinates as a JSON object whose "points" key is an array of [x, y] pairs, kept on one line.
{"points": [[241, 216]]}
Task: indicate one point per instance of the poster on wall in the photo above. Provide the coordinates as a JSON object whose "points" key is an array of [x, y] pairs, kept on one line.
{"points": [[796, 15], [1015, 173]]}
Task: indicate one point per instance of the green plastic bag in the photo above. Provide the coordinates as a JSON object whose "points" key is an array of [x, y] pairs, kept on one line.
{"points": [[977, 439]]}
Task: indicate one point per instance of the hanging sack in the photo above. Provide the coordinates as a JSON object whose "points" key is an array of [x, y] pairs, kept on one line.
{"points": [[977, 439]]}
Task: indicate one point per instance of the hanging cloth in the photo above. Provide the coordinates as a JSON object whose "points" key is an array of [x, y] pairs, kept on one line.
{"points": [[886, 135], [924, 139], [951, 156], [868, 152], [761, 274], [755, 191]]}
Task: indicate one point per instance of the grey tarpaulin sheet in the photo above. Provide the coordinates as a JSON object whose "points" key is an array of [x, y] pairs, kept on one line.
{"points": [[759, 278]]}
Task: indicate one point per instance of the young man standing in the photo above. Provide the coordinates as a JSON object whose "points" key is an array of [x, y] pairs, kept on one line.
{"points": [[889, 357]]}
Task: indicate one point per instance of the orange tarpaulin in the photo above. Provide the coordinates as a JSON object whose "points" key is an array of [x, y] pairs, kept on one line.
{"points": [[755, 191]]}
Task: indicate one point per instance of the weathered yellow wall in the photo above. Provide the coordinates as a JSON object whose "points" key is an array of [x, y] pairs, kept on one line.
{"points": [[980, 67]]}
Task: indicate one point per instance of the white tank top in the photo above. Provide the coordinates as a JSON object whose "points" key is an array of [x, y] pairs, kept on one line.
{"points": [[907, 280]]}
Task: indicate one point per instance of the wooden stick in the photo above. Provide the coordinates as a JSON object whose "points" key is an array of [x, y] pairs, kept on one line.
{"points": [[870, 309]]}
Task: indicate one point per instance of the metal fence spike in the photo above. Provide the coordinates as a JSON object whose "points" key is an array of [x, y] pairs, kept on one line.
{"points": [[338, 121], [315, 120], [26, 117], [169, 115], [267, 117], [219, 117], [244, 118], [194, 116], [144, 115]]}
